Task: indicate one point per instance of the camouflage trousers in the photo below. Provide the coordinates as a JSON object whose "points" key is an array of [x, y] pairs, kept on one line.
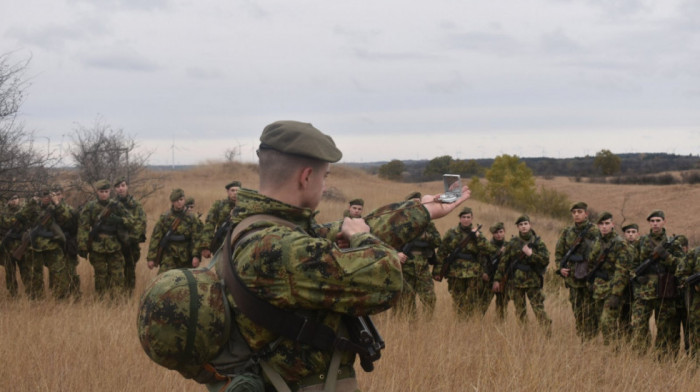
{"points": [[536, 297], [668, 332], [610, 321], [58, 273], [132, 254], [73, 277], [583, 306], [467, 294], [501, 301], [169, 263], [11, 267], [694, 323], [109, 273], [417, 281]]}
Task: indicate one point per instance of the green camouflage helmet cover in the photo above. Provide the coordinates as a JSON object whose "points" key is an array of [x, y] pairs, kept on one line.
{"points": [[183, 320]]}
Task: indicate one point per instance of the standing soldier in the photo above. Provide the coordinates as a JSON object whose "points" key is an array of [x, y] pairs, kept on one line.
{"points": [[498, 244], [131, 248], [218, 221], [610, 277], [11, 238], [173, 239], [417, 256], [577, 249], [68, 223], [355, 207], [655, 290], [688, 273], [461, 259], [631, 234], [521, 273], [102, 222], [45, 241]]}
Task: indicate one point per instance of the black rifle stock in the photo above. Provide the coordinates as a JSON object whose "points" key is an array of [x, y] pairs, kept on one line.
{"points": [[166, 240], [104, 214], [364, 334], [447, 264], [28, 238], [652, 260], [512, 265], [579, 240]]}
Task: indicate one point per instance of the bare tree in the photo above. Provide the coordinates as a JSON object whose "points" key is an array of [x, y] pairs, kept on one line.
{"points": [[101, 152], [23, 169]]}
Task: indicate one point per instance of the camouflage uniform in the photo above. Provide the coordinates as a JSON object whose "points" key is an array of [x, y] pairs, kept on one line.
{"points": [[579, 295], [219, 213], [105, 249], [525, 276], [464, 276], [46, 247], [646, 298], [302, 268], [417, 278], [180, 250], [502, 297], [69, 224], [686, 268], [131, 249], [610, 281], [7, 223]]}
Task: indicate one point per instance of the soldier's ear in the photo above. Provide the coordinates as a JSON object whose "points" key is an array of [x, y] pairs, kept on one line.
{"points": [[305, 177]]}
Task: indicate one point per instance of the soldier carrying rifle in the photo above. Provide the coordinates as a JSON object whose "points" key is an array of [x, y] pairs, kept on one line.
{"points": [[173, 239], [218, 222]]}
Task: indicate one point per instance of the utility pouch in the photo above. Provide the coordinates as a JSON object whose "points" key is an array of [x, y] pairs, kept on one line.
{"points": [[667, 287], [581, 270]]}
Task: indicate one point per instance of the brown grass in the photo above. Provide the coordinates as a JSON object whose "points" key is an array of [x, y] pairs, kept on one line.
{"points": [[90, 345]]}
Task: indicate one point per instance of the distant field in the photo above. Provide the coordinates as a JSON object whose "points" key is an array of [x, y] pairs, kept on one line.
{"points": [[92, 346]]}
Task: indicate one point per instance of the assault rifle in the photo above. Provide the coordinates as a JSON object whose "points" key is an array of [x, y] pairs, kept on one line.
{"points": [[407, 249], [652, 260], [692, 280], [493, 264], [28, 238], [590, 277], [95, 231], [364, 334], [447, 264], [166, 240], [579, 240], [219, 235], [512, 265], [12, 233]]}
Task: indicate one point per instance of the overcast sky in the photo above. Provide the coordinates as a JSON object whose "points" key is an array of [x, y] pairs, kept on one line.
{"points": [[387, 79]]}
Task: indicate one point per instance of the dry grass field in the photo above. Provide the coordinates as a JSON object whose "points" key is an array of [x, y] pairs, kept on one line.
{"points": [[92, 346]]}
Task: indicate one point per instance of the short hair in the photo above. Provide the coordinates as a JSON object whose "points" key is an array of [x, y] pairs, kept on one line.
{"points": [[276, 167]]}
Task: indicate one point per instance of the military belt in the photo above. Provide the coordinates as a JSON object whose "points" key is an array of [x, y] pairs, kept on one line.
{"points": [[178, 238], [523, 267], [419, 244], [43, 233], [14, 236], [105, 229], [602, 275], [465, 256]]}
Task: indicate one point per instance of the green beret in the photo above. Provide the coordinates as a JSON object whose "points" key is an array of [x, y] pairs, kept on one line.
{"points": [[522, 218], [119, 180], [102, 185], [579, 206], [656, 214], [297, 138], [233, 183], [57, 188], [604, 216], [176, 194], [496, 227], [630, 226], [413, 195], [465, 210], [357, 202], [189, 201]]}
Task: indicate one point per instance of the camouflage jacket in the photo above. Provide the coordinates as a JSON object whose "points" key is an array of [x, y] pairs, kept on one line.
{"points": [[523, 271], [496, 256], [613, 274], [302, 269], [47, 236], [180, 249], [469, 261], [587, 252], [689, 265], [218, 214], [137, 234], [8, 221], [112, 219], [422, 248], [645, 286]]}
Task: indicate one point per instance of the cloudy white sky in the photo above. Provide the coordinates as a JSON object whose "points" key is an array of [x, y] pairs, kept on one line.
{"points": [[387, 79]]}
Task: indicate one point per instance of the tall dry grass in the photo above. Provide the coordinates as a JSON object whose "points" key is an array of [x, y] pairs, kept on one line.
{"points": [[92, 345]]}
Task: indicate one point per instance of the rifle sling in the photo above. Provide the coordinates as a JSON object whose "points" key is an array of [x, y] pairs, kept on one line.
{"points": [[281, 322]]}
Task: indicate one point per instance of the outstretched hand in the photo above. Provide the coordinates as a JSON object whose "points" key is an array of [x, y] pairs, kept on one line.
{"points": [[437, 210]]}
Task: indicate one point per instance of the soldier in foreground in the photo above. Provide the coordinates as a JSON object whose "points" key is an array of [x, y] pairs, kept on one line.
{"points": [[218, 222], [131, 247], [655, 290], [300, 270], [417, 257], [461, 258], [577, 249], [173, 239], [11, 238], [101, 222], [610, 278], [631, 235], [498, 244], [69, 225], [521, 273]]}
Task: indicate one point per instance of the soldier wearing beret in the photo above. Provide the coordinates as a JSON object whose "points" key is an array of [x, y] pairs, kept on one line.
{"points": [[355, 207], [301, 268], [654, 288], [68, 222], [461, 258], [101, 222], [131, 247], [577, 249], [610, 279], [689, 268], [417, 257], [217, 222], [173, 239], [498, 244], [521, 273], [11, 237]]}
